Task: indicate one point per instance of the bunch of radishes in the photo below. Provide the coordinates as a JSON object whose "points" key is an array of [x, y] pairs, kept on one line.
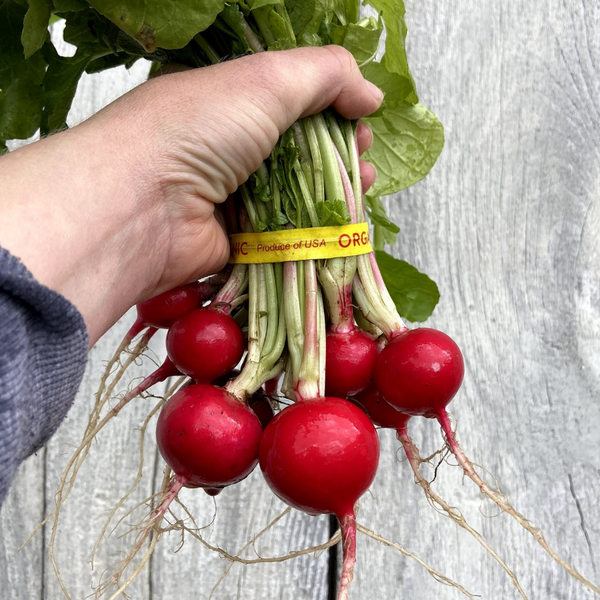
{"points": [[296, 323], [325, 334]]}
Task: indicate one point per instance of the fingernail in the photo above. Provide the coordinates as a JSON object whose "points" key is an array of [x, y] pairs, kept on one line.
{"points": [[374, 91]]}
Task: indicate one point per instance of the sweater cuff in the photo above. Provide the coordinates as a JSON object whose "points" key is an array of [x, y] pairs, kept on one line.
{"points": [[43, 353]]}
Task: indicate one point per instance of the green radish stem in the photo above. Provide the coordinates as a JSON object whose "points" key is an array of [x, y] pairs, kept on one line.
{"points": [[309, 376], [340, 143], [235, 286], [305, 161], [293, 317], [251, 38], [266, 324]]}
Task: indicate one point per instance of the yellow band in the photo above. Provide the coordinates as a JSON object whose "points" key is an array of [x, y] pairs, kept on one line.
{"points": [[300, 244]]}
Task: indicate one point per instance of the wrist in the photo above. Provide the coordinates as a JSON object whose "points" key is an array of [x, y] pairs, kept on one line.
{"points": [[76, 209]]}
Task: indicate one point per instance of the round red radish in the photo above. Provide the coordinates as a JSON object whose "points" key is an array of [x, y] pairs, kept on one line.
{"points": [[205, 344], [163, 310], [261, 406], [382, 413], [208, 437], [420, 371], [350, 362], [320, 456]]}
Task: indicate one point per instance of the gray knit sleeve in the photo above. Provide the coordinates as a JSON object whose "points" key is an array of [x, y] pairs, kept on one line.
{"points": [[43, 352]]}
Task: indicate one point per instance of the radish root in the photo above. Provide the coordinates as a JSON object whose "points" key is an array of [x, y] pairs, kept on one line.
{"points": [[246, 546], [169, 490], [435, 574], [440, 505], [348, 527], [335, 538], [138, 478], [503, 502]]}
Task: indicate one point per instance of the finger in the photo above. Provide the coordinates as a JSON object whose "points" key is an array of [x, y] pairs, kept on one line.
{"points": [[304, 81], [364, 137], [368, 175]]}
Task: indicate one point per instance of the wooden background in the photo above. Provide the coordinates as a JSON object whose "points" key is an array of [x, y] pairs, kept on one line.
{"points": [[508, 224]]}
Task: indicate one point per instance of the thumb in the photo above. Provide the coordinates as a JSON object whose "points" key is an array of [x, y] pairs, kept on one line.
{"points": [[300, 82]]}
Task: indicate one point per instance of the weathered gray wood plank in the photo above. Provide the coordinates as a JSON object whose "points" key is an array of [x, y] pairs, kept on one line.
{"points": [[508, 224], [21, 574]]}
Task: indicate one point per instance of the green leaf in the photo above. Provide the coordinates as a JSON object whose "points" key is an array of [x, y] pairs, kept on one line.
{"points": [[377, 214], [407, 141], [396, 88], [394, 59], [21, 90], [352, 10], [21, 98], [35, 26], [231, 21], [69, 5], [332, 213], [60, 83], [414, 294], [300, 12], [361, 39], [11, 26], [156, 23], [254, 4], [77, 28], [384, 231], [110, 61]]}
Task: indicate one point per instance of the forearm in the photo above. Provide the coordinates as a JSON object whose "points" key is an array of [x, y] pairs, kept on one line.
{"points": [[72, 209]]}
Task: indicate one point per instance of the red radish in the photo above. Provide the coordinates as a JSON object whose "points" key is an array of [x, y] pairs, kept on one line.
{"points": [[258, 402], [208, 437], [272, 385], [420, 371], [261, 406], [163, 310], [205, 344], [350, 362], [381, 412], [386, 416], [320, 456]]}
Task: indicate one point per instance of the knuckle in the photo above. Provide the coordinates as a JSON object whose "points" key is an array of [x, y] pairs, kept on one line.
{"points": [[344, 58]]}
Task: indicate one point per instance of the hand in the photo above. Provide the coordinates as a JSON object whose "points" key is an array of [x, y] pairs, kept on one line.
{"points": [[122, 207]]}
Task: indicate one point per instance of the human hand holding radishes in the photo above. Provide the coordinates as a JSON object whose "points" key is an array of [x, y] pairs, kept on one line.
{"points": [[131, 212]]}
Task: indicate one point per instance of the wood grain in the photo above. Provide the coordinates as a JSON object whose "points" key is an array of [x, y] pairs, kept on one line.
{"points": [[508, 225]]}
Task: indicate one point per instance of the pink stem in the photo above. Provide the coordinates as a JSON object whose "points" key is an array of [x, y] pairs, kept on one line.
{"points": [[350, 201], [136, 328], [167, 369], [345, 315], [229, 292], [172, 491], [383, 291], [348, 527], [206, 290]]}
